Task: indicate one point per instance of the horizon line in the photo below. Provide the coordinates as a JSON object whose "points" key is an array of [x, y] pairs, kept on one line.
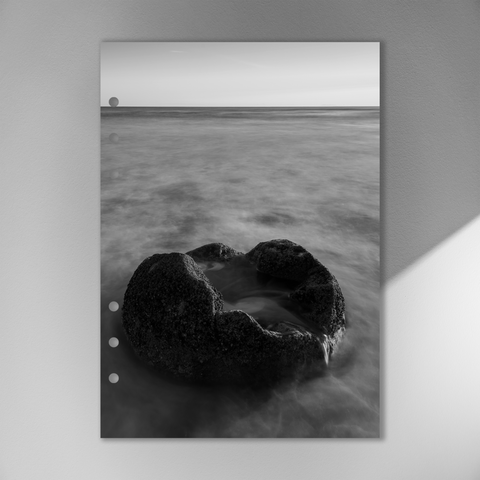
{"points": [[239, 106]]}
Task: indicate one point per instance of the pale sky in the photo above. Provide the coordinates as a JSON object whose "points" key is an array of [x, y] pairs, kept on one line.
{"points": [[244, 74]]}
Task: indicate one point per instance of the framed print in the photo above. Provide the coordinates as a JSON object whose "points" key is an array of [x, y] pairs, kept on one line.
{"points": [[240, 239]]}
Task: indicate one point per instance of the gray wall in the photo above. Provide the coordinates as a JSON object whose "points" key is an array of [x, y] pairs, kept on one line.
{"points": [[50, 217]]}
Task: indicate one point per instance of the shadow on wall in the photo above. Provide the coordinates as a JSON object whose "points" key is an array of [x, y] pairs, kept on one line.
{"points": [[430, 175]]}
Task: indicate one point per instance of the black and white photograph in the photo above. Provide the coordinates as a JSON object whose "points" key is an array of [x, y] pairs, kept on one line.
{"points": [[240, 240]]}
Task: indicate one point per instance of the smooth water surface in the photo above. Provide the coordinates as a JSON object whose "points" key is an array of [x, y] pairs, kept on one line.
{"points": [[176, 179], [265, 298]]}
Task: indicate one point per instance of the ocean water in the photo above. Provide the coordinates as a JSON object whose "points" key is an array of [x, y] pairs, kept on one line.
{"points": [[173, 179]]}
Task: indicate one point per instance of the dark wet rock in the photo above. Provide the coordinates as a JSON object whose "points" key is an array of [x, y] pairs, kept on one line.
{"points": [[168, 313], [175, 319], [252, 354], [318, 295], [214, 252], [322, 300], [282, 259]]}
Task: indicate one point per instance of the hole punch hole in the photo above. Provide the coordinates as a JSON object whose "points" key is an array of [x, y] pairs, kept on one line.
{"points": [[113, 342], [113, 377], [113, 306], [114, 138]]}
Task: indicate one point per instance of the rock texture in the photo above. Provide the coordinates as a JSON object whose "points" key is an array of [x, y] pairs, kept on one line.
{"points": [[175, 318], [214, 252], [318, 294], [282, 259]]}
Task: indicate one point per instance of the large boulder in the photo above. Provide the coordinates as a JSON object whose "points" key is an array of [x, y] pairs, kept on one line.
{"points": [[175, 319]]}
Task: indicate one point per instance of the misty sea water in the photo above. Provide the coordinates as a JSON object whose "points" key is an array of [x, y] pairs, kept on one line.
{"points": [[173, 179]]}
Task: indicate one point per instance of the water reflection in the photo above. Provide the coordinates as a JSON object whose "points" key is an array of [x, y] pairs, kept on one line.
{"points": [[264, 297]]}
